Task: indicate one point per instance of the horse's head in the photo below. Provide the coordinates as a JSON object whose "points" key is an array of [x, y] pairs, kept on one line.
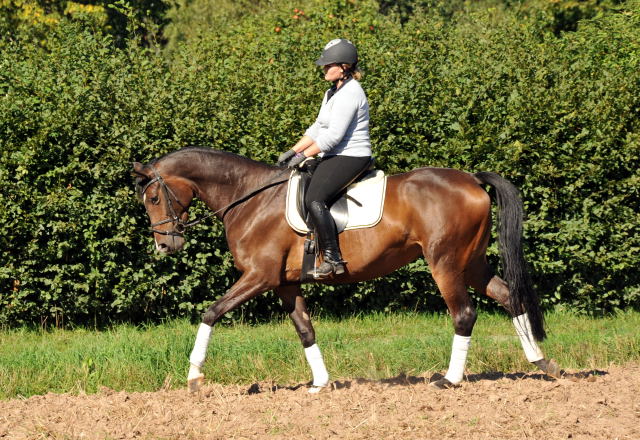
{"points": [[166, 198]]}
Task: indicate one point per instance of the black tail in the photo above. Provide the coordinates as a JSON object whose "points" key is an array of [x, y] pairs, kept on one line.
{"points": [[510, 214]]}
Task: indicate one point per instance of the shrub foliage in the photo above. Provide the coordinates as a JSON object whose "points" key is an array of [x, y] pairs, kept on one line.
{"points": [[486, 87]]}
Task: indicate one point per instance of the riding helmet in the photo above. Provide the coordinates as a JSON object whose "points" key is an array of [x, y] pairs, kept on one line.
{"points": [[338, 51]]}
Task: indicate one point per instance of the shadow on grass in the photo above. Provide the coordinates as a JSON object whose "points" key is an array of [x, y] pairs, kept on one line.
{"points": [[404, 380]]}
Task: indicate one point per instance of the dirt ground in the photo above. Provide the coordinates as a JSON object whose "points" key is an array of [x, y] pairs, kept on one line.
{"points": [[594, 404]]}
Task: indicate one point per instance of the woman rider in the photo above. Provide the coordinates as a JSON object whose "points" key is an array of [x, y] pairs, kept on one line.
{"points": [[340, 137]]}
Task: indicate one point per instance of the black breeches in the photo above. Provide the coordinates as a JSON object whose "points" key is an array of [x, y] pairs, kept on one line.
{"points": [[332, 175]]}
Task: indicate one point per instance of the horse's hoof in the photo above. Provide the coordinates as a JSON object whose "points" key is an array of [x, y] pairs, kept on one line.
{"points": [[315, 389], [549, 367], [194, 384], [443, 384], [553, 369]]}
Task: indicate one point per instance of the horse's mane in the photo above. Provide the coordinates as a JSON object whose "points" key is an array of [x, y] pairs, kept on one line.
{"points": [[205, 154]]}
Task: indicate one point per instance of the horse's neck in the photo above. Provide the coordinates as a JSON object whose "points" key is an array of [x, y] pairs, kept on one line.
{"points": [[221, 184]]}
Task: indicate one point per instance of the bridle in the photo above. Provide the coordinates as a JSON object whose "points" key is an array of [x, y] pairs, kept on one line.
{"points": [[180, 226]]}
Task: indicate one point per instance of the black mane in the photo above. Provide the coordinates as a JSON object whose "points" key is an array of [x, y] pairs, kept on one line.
{"points": [[205, 154]]}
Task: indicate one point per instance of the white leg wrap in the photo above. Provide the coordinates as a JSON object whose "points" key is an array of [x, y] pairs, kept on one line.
{"points": [[200, 347], [523, 328], [320, 373], [194, 372], [459, 349]]}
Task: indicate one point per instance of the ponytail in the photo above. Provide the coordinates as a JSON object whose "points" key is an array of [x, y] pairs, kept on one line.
{"points": [[352, 71]]}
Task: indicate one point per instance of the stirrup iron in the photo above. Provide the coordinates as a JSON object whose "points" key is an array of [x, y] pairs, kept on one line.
{"points": [[329, 267]]}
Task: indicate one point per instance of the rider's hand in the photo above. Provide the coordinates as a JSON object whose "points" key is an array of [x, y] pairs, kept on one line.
{"points": [[296, 160], [284, 157]]}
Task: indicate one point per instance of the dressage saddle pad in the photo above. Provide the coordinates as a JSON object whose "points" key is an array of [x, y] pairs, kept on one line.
{"points": [[360, 207]]}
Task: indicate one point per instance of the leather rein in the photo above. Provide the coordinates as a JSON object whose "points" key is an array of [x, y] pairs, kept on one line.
{"points": [[180, 226]]}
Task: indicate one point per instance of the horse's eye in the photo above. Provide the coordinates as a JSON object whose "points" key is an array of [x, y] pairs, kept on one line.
{"points": [[155, 200]]}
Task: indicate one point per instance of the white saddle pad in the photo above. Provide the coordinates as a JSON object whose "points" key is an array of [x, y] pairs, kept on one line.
{"points": [[364, 202]]}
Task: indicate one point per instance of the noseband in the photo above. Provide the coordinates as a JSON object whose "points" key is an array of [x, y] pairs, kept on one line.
{"points": [[179, 225]]}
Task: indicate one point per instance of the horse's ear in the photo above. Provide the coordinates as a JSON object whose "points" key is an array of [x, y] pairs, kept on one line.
{"points": [[141, 178], [138, 170]]}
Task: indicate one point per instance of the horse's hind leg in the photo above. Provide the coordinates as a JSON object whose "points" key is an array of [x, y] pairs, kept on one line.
{"points": [[463, 314], [294, 304], [481, 278]]}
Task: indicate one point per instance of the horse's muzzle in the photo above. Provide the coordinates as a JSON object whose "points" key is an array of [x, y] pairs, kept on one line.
{"points": [[169, 244]]}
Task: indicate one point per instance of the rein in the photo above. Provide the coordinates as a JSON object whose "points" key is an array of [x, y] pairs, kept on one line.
{"points": [[181, 226]]}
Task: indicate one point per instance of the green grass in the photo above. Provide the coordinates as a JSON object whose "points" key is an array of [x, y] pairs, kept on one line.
{"points": [[373, 346]]}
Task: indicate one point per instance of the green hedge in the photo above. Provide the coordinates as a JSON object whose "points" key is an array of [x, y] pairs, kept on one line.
{"points": [[484, 89]]}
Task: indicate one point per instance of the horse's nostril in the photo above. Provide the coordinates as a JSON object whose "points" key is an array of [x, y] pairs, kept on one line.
{"points": [[161, 247]]}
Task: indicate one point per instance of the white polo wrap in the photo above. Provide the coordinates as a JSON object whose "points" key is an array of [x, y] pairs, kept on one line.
{"points": [[199, 352], [529, 344], [320, 373], [459, 350]]}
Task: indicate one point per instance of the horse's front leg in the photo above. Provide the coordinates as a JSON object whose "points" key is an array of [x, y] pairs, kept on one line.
{"points": [[294, 304], [247, 287]]}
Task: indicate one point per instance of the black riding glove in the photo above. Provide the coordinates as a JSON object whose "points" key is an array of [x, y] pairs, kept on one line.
{"points": [[284, 157], [296, 160]]}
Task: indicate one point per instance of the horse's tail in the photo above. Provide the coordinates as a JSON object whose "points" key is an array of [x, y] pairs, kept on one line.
{"points": [[510, 216]]}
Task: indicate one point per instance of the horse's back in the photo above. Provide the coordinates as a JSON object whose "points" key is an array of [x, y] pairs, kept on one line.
{"points": [[439, 208], [442, 188]]}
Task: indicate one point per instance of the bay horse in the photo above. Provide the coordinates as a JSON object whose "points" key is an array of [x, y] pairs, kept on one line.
{"points": [[443, 215]]}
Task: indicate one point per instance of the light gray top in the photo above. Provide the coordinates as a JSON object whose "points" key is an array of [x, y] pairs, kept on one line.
{"points": [[342, 125]]}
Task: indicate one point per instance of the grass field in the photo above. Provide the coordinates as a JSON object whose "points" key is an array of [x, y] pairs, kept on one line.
{"points": [[377, 346]]}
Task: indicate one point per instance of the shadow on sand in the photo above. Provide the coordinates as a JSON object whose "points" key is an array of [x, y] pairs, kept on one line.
{"points": [[403, 380]]}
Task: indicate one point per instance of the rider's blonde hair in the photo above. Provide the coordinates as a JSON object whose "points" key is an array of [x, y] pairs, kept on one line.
{"points": [[355, 73]]}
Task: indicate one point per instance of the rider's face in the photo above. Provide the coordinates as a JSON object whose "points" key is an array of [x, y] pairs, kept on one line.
{"points": [[333, 72]]}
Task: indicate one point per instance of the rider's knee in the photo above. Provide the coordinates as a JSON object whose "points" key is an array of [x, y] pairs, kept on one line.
{"points": [[316, 206]]}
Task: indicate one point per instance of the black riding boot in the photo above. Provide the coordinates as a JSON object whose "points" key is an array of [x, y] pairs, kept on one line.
{"points": [[326, 232]]}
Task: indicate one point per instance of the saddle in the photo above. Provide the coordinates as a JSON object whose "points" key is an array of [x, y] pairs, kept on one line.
{"points": [[360, 205]]}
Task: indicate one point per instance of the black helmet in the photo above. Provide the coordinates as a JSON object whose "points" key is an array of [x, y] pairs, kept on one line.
{"points": [[338, 51]]}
